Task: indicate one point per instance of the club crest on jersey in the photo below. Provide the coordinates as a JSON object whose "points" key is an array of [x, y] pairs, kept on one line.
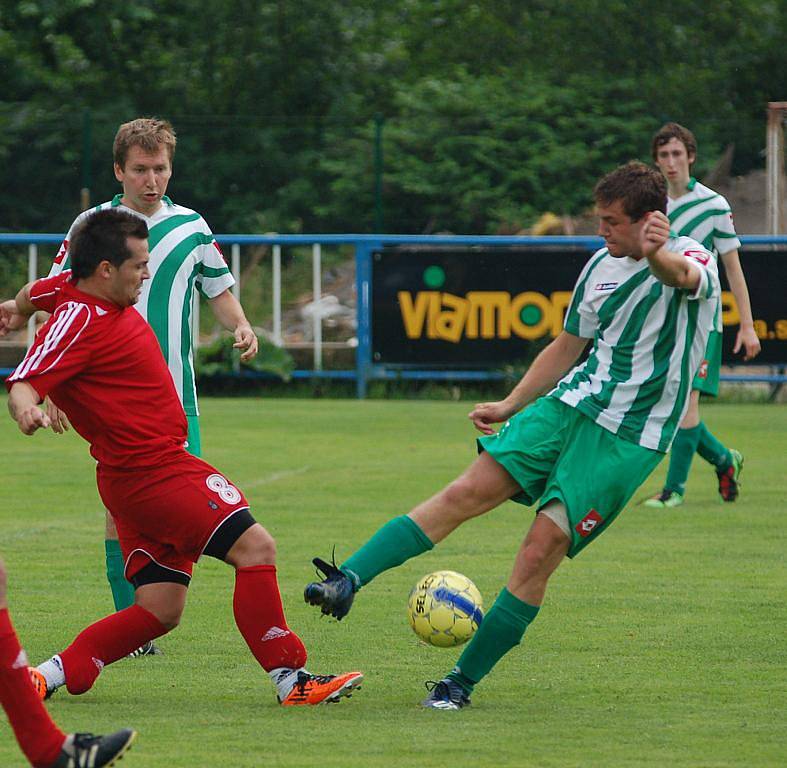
{"points": [[702, 373], [702, 257], [606, 286], [588, 523], [61, 254]]}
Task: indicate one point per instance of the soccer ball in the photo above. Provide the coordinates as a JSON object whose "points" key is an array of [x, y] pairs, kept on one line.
{"points": [[445, 609]]}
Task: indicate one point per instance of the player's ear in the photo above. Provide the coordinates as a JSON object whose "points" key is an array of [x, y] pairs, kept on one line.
{"points": [[118, 173], [104, 269]]}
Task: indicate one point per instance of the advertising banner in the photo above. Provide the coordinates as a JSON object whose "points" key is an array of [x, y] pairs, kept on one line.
{"points": [[490, 307]]}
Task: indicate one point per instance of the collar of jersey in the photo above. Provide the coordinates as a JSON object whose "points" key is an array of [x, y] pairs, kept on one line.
{"points": [[692, 183], [119, 196], [88, 298]]}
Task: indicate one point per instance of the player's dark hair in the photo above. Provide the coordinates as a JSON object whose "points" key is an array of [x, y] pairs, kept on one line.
{"points": [[670, 131], [102, 237], [639, 187]]}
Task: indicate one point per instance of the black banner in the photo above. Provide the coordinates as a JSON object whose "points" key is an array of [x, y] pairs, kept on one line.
{"points": [[482, 307]]}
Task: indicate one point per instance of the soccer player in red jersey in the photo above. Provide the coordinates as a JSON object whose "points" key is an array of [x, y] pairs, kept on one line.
{"points": [[44, 744], [100, 363]]}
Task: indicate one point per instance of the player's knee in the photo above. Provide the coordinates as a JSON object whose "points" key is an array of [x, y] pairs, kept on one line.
{"points": [[169, 616], [462, 499], [254, 547]]}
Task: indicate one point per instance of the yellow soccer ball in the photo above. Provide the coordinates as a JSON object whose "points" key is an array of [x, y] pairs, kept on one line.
{"points": [[445, 609]]}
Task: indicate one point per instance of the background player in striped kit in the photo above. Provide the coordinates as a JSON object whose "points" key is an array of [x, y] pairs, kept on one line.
{"points": [[184, 256], [43, 743], [696, 211], [647, 302]]}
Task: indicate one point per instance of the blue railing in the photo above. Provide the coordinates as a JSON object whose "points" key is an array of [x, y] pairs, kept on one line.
{"points": [[364, 246]]}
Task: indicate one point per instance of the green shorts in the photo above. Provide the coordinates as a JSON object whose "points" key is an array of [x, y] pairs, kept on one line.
{"points": [[707, 377], [193, 442], [555, 452]]}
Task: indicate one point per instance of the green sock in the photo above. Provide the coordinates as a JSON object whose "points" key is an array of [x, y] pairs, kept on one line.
{"points": [[712, 450], [122, 591], [501, 629], [398, 540], [682, 452]]}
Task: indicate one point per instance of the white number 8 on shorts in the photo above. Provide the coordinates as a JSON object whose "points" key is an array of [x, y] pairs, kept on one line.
{"points": [[227, 493]]}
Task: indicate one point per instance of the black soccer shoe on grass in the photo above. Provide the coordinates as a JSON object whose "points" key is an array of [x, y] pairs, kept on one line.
{"points": [[334, 594], [445, 694], [89, 751]]}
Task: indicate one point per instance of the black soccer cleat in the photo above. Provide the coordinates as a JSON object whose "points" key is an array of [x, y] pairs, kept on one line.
{"points": [[445, 694], [89, 751], [334, 594], [148, 649]]}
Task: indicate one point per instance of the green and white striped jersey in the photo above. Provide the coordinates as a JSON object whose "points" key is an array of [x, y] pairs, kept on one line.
{"points": [[704, 216], [648, 340], [184, 255]]}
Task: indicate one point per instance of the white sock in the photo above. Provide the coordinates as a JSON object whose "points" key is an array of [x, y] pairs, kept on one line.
{"points": [[284, 679], [53, 673]]}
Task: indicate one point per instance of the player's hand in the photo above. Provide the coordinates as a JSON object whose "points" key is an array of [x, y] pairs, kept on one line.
{"points": [[486, 414], [748, 341], [57, 417], [655, 232], [246, 339], [10, 319], [32, 419]]}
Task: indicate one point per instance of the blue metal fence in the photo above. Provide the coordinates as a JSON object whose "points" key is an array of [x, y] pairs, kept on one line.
{"points": [[364, 246]]}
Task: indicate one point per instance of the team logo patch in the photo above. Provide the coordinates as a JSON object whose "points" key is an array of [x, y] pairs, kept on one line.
{"points": [[218, 248], [61, 254], [701, 257], [588, 523], [702, 373], [606, 286]]}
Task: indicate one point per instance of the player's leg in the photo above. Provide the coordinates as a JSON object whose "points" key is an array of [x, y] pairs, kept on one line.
{"points": [[684, 446], [483, 486], [160, 598], [259, 614], [593, 478], [122, 590], [517, 605], [514, 463], [43, 743]]}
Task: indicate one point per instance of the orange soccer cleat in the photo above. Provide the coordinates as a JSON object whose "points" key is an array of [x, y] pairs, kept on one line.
{"points": [[316, 689], [39, 683]]}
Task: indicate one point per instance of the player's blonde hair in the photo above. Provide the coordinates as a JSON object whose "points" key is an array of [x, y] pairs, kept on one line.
{"points": [[148, 133]]}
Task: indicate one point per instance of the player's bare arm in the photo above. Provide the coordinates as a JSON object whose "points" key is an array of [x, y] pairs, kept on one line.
{"points": [[552, 363], [230, 314], [23, 403], [15, 313], [746, 338], [670, 268]]}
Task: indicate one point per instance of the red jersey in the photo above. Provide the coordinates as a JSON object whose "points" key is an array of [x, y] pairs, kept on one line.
{"points": [[102, 365]]}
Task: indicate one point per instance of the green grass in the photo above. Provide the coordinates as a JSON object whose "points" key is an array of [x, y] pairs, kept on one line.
{"points": [[662, 644]]}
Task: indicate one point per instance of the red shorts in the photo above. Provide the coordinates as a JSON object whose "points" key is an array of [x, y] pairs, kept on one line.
{"points": [[167, 514]]}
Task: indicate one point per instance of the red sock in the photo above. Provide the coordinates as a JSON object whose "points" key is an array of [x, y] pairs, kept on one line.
{"points": [[260, 619], [106, 641], [39, 738]]}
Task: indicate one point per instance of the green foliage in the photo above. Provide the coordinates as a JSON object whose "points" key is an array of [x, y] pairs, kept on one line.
{"points": [[220, 358], [495, 110]]}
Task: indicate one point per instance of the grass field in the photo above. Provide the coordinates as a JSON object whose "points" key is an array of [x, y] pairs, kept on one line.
{"points": [[663, 644]]}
